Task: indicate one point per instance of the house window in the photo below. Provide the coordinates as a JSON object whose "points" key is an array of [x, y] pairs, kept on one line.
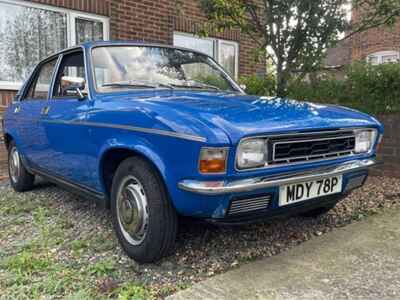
{"points": [[384, 57], [31, 32], [226, 53]]}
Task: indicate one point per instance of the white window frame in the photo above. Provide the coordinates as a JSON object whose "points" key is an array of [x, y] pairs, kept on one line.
{"points": [[381, 54], [217, 45], [230, 43], [71, 16]]}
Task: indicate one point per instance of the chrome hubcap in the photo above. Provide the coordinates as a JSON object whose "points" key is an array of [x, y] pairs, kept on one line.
{"points": [[132, 210], [15, 165]]}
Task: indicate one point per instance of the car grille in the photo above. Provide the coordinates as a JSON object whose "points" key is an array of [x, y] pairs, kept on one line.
{"points": [[293, 149], [249, 205]]}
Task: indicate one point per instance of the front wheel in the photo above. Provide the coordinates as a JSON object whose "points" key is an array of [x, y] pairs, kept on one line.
{"points": [[21, 180], [144, 219]]}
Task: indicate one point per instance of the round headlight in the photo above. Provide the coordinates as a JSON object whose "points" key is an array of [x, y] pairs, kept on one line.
{"points": [[252, 153]]}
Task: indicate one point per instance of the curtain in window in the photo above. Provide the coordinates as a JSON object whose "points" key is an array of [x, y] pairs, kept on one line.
{"points": [[28, 35], [228, 57], [88, 30], [205, 46]]}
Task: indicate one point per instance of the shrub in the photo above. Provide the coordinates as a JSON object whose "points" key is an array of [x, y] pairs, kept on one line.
{"points": [[259, 85], [368, 88]]}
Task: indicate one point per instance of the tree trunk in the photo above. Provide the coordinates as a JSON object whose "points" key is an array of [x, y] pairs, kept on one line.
{"points": [[281, 81]]}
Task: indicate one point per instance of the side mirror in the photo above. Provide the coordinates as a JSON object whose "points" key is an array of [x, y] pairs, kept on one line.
{"points": [[71, 86], [243, 87]]}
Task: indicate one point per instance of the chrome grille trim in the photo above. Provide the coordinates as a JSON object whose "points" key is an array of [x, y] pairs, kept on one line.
{"points": [[304, 135], [248, 205], [304, 158]]}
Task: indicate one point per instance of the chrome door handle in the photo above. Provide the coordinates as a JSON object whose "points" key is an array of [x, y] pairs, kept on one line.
{"points": [[17, 109], [45, 110]]}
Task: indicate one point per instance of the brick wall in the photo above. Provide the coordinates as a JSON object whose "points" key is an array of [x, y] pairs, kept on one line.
{"points": [[100, 7], [374, 40], [142, 20], [5, 98], [389, 151]]}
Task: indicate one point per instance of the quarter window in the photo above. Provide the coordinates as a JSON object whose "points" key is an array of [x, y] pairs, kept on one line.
{"points": [[39, 88], [31, 32], [225, 52]]}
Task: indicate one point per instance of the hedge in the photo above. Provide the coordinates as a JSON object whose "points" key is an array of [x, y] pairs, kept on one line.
{"points": [[372, 89]]}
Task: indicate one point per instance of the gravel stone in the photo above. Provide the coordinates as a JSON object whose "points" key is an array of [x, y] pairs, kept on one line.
{"points": [[201, 250]]}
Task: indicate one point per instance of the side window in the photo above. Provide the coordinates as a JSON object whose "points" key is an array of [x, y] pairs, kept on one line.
{"points": [[39, 88], [72, 66]]}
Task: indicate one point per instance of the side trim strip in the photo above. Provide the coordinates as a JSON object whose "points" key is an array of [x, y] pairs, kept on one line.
{"points": [[131, 128]]}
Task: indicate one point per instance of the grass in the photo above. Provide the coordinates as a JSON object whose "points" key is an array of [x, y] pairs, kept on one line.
{"points": [[50, 263]]}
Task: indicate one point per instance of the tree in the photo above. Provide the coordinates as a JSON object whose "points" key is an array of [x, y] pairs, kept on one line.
{"points": [[294, 34]]}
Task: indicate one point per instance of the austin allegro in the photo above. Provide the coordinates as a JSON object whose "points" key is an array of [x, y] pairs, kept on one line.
{"points": [[154, 132]]}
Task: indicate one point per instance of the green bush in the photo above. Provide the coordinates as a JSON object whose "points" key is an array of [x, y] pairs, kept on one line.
{"points": [[259, 85], [372, 89]]}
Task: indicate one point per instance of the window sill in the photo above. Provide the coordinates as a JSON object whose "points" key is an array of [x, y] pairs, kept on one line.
{"points": [[10, 86]]}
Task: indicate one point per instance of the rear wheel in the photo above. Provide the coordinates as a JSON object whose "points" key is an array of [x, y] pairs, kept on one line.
{"points": [[144, 219], [21, 180]]}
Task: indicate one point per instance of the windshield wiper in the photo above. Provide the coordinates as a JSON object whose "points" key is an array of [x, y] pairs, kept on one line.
{"points": [[197, 85], [146, 84], [129, 84], [136, 83]]}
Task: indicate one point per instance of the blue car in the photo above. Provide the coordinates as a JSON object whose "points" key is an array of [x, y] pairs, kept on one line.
{"points": [[155, 132]]}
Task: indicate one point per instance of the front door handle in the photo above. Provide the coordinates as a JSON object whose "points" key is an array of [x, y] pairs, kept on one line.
{"points": [[17, 109], [45, 110]]}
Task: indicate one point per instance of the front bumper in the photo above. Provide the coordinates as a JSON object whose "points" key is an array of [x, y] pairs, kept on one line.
{"points": [[213, 188], [279, 212]]}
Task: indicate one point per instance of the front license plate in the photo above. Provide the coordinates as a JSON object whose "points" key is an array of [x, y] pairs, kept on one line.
{"points": [[301, 191]]}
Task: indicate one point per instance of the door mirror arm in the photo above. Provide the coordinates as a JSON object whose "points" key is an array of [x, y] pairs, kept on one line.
{"points": [[81, 95], [75, 84]]}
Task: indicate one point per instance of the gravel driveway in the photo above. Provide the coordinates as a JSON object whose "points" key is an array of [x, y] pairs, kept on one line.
{"points": [[57, 245]]}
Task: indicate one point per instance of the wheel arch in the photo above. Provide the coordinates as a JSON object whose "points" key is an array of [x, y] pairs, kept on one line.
{"points": [[112, 157]]}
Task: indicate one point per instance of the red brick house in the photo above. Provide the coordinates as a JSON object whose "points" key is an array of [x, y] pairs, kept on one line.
{"points": [[32, 30], [378, 45]]}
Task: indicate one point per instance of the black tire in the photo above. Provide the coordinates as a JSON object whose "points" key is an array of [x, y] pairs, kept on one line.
{"points": [[22, 180], [161, 229]]}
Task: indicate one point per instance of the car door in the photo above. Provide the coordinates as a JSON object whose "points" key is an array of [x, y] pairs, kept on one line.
{"points": [[28, 112], [66, 150]]}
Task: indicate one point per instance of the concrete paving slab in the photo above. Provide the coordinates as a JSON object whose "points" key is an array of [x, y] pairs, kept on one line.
{"points": [[360, 261]]}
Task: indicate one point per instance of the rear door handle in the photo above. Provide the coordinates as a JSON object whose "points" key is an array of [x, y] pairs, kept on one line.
{"points": [[45, 110], [17, 109]]}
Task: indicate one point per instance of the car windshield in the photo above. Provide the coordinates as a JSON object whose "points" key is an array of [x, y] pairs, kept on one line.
{"points": [[144, 67]]}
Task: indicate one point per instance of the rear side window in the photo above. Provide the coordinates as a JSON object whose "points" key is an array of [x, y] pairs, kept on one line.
{"points": [[39, 88]]}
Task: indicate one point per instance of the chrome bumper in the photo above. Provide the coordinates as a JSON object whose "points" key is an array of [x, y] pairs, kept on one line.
{"points": [[247, 185]]}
